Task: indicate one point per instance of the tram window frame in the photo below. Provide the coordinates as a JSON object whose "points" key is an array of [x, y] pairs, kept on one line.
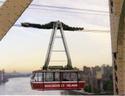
{"points": [[37, 75]]}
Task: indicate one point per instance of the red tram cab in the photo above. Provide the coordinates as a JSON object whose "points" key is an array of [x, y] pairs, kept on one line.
{"points": [[56, 80]]}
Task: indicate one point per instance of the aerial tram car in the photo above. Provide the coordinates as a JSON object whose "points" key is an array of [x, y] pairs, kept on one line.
{"points": [[56, 80], [56, 77]]}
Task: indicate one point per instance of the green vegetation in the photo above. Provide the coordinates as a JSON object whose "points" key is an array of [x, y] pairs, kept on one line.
{"points": [[108, 86]]}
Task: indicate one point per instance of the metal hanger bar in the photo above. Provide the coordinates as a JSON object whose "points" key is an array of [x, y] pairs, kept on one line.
{"points": [[69, 64], [50, 47], [58, 37], [58, 50], [58, 60]]}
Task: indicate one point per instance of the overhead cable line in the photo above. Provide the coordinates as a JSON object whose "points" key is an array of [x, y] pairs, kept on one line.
{"points": [[69, 8], [62, 7], [76, 12], [66, 9]]}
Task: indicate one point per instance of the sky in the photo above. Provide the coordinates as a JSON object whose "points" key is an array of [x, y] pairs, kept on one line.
{"points": [[24, 49]]}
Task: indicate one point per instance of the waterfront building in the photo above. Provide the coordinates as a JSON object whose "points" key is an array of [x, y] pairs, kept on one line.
{"points": [[3, 78], [98, 78]]}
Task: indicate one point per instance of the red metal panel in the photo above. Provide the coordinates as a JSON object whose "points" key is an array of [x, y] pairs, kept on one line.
{"points": [[58, 85]]}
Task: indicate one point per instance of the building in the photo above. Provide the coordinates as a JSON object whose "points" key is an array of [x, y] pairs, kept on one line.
{"points": [[98, 78], [117, 19], [3, 78]]}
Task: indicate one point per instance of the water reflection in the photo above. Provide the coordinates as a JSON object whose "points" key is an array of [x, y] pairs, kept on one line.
{"points": [[21, 86]]}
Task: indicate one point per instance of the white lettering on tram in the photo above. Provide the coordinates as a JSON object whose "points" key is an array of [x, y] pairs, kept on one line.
{"points": [[62, 85], [58, 85], [53, 85], [71, 85]]}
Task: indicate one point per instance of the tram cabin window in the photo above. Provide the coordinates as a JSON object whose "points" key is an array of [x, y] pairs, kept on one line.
{"points": [[70, 76], [80, 76], [66, 76], [35, 77], [40, 76], [48, 76], [56, 76], [32, 76], [73, 76]]}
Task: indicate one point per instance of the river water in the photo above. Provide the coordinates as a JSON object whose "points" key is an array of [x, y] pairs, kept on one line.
{"points": [[21, 86]]}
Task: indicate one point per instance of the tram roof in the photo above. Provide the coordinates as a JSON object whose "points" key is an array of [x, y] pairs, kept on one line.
{"points": [[56, 71]]}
